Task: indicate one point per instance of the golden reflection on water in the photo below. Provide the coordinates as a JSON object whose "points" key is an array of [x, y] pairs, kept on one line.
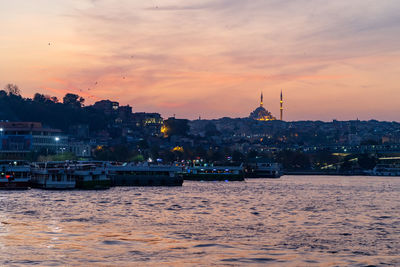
{"points": [[293, 221]]}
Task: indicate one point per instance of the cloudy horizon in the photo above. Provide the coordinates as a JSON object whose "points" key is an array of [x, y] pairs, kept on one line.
{"points": [[333, 60]]}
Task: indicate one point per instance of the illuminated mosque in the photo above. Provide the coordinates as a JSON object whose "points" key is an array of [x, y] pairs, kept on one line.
{"points": [[261, 114]]}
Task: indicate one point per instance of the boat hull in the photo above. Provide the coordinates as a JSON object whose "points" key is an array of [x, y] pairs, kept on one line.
{"points": [[213, 177], [12, 185], [58, 186], [262, 175], [93, 184], [145, 180]]}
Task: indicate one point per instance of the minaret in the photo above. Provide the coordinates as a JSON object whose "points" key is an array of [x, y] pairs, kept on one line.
{"points": [[281, 102], [261, 103]]}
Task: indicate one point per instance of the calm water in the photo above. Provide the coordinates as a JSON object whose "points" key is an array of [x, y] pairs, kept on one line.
{"points": [[294, 221]]}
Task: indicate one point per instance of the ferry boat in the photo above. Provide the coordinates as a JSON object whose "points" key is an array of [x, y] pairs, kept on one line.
{"points": [[130, 174], [14, 175], [51, 175], [214, 173], [263, 170], [88, 175], [386, 170]]}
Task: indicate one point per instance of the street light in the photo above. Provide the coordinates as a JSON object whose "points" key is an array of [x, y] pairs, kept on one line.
{"points": [[57, 139]]}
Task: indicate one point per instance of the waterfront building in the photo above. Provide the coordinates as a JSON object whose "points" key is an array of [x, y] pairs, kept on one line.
{"points": [[80, 148], [19, 138], [261, 114]]}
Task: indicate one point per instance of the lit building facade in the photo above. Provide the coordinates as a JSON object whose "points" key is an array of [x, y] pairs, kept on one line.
{"points": [[150, 122], [19, 138]]}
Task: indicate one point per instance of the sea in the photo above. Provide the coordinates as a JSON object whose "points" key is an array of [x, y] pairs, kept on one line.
{"points": [[291, 221]]}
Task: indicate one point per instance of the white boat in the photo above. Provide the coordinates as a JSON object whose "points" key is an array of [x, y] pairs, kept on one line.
{"points": [[130, 174], [214, 173], [14, 175], [263, 170], [51, 175]]}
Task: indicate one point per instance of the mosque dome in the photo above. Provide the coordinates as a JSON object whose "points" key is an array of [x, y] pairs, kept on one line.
{"points": [[261, 114]]}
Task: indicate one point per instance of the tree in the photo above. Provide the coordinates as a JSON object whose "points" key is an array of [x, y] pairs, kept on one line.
{"points": [[137, 158], [73, 100], [39, 98], [12, 89]]}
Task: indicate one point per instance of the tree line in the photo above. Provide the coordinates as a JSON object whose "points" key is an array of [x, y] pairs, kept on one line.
{"points": [[50, 110]]}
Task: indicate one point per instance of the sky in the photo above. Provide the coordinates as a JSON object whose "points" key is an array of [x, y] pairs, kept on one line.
{"points": [[210, 58]]}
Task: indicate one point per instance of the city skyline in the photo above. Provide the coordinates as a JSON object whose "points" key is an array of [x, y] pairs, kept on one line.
{"points": [[333, 60]]}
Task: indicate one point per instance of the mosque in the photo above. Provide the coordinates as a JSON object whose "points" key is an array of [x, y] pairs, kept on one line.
{"points": [[261, 114]]}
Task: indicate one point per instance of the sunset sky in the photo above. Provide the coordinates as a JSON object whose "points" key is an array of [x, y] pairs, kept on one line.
{"points": [[333, 59]]}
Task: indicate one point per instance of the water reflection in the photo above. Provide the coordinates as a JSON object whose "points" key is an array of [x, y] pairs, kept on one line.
{"points": [[291, 221]]}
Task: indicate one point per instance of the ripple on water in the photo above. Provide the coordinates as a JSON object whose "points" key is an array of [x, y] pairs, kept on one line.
{"points": [[114, 242], [211, 245], [249, 260]]}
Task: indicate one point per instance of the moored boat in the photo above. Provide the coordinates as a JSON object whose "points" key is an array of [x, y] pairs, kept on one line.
{"points": [[51, 175], [88, 175], [130, 174], [14, 175], [214, 173], [263, 170]]}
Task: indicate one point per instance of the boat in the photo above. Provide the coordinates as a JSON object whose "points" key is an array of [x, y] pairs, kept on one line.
{"points": [[130, 174], [88, 175], [263, 170], [14, 175], [51, 175], [386, 170], [214, 173]]}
